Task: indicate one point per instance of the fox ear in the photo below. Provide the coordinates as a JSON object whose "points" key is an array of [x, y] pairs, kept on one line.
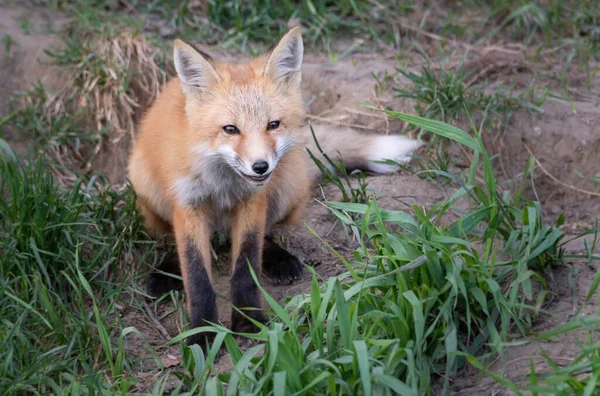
{"points": [[284, 61], [194, 68]]}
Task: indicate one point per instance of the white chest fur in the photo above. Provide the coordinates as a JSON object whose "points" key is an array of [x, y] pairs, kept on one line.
{"points": [[213, 180]]}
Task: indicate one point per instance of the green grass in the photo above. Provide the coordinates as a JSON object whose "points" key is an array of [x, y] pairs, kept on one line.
{"points": [[46, 130], [9, 44], [424, 295], [453, 97], [438, 160], [444, 95], [58, 130], [418, 296], [549, 19], [61, 278], [580, 376], [567, 29], [252, 26], [532, 22]]}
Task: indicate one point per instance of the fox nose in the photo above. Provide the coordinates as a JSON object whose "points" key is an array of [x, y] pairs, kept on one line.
{"points": [[260, 167]]}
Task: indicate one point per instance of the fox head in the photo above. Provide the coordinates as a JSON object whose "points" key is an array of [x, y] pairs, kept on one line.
{"points": [[243, 115]]}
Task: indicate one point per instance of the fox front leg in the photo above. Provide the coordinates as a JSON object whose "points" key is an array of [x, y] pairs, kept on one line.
{"points": [[248, 230], [192, 233]]}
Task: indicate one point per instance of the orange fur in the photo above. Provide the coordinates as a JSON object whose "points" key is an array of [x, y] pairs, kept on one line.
{"points": [[195, 165], [162, 154], [181, 144]]}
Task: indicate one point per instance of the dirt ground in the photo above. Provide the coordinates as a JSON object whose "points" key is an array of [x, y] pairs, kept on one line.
{"points": [[563, 140]]}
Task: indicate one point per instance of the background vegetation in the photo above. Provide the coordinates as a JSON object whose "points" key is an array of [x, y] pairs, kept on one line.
{"points": [[422, 299]]}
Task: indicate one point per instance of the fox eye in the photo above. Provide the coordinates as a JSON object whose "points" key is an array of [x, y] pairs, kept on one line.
{"points": [[231, 130], [272, 125]]}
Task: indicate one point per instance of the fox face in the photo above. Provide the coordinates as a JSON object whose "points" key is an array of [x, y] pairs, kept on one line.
{"points": [[243, 116]]}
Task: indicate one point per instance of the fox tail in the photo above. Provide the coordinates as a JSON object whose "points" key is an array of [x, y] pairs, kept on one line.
{"points": [[359, 150]]}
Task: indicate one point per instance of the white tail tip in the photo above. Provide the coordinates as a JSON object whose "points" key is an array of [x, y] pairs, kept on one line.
{"points": [[396, 148]]}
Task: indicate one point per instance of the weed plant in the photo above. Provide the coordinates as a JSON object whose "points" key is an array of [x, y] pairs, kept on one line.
{"points": [[419, 296], [62, 251]]}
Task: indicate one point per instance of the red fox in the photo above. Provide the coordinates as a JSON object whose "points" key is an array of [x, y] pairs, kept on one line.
{"points": [[223, 148]]}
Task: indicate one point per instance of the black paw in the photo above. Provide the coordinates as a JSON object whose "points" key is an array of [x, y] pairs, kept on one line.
{"points": [[159, 283], [203, 340], [241, 324], [203, 313], [280, 265]]}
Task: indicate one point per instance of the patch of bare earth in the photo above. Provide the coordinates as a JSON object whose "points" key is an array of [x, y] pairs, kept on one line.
{"points": [[564, 141], [22, 62]]}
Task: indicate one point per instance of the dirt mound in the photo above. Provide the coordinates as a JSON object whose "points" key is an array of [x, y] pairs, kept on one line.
{"points": [[566, 140], [107, 76]]}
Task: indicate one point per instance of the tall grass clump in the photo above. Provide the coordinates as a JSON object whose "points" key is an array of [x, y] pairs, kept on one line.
{"points": [[419, 294], [447, 96], [62, 255], [254, 25], [109, 73], [444, 95]]}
